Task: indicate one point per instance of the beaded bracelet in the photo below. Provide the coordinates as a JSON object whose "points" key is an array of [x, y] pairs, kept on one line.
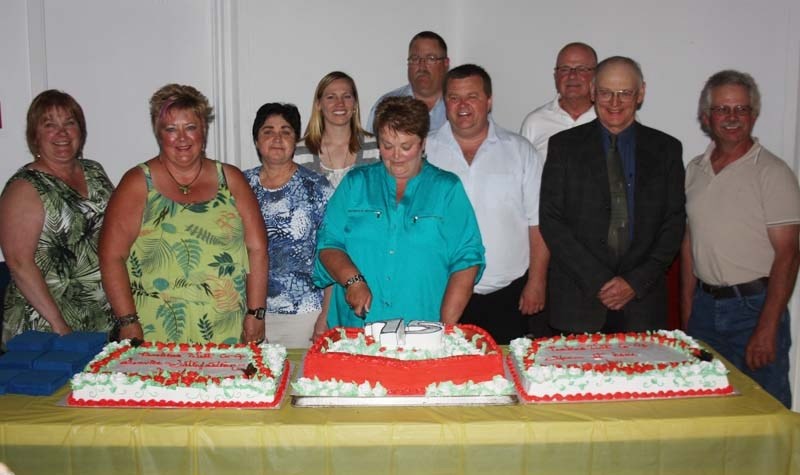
{"points": [[353, 280]]}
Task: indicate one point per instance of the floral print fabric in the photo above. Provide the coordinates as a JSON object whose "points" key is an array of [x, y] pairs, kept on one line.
{"points": [[188, 268], [292, 214], [66, 253]]}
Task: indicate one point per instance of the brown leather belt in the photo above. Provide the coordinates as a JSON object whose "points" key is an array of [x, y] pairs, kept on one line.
{"points": [[739, 290]]}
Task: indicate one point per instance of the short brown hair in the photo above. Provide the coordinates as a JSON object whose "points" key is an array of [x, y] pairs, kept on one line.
{"points": [[467, 71], [180, 97], [402, 114], [44, 103]]}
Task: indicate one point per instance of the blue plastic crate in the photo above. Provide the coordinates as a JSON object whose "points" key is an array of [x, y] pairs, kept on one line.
{"points": [[69, 362], [37, 383], [5, 377], [32, 340], [82, 342], [19, 359]]}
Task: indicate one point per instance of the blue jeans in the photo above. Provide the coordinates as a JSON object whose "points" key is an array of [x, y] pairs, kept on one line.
{"points": [[726, 325]]}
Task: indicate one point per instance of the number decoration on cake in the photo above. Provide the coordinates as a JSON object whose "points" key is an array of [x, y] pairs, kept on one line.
{"points": [[156, 374], [418, 334], [662, 364]]}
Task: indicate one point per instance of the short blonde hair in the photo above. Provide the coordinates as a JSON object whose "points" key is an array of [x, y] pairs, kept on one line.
{"points": [[180, 97]]}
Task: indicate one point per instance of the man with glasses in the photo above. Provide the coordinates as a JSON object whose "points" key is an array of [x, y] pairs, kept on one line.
{"points": [[501, 174], [427, 64], [740, 256], [572, 105], [612, 212]]}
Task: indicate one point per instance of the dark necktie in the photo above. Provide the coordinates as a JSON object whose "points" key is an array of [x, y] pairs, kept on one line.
{"points": [[618, 222]]}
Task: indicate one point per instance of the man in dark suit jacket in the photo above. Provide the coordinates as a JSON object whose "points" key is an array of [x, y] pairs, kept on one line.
{"points": [[612, 212]]}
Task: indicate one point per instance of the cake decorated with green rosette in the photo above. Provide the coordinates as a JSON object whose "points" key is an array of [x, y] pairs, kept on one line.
{"points": [[462, 360], [155, 374], [599, 367]]}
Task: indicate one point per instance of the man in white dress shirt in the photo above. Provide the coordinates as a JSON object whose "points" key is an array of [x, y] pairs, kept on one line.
{"points": [[572, 105], [501, 173]]}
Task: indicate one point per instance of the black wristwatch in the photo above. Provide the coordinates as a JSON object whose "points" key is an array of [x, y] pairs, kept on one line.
{"points": [[258, 313]]}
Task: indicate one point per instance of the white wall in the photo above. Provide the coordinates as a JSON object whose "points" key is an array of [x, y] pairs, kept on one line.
{"points": [[286, 48], [113, 54], [15, 86]]}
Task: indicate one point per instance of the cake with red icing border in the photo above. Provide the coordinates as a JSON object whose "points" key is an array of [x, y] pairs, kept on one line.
{"points": [[592, 367], [347, 362], [154, 374]]}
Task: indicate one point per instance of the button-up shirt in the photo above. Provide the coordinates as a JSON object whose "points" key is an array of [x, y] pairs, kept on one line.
{"points": [[502, 183], [407, 250]]}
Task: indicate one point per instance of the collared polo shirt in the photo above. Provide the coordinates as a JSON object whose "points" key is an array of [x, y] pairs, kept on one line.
{"points": [[730, 211]]}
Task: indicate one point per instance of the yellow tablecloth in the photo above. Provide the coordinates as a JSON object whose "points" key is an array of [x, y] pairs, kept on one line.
{"points": [[748, 434]]}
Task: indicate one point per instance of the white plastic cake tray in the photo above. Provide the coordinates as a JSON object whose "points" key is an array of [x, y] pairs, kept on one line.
{"points": [[301, 400], [331, 401]]}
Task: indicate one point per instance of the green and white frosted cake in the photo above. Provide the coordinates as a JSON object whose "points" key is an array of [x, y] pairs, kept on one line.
{"points": [[590, 367], [182, 375]]}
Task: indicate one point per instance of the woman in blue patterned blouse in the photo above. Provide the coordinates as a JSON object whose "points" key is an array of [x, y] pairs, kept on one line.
{"points": [[292, 201]]}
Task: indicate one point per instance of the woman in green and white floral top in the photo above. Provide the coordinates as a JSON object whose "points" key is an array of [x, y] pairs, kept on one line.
{"points": [[51, 211]]}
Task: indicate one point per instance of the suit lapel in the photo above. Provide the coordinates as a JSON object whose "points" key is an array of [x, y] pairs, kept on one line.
{"points": [[593, 149], [646, 167]]}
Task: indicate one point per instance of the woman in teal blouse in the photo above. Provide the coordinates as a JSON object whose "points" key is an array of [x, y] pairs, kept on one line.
{"points": [[399, 238]]}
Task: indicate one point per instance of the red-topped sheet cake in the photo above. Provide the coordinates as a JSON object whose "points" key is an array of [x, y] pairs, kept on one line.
{"points": [[350, 362]]}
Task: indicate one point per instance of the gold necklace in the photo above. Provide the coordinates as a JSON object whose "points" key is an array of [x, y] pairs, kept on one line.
{"points": [[329, 157], [184, 189]]}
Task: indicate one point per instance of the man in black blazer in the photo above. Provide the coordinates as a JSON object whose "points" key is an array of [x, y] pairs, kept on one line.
{"points": [[612, 212]]}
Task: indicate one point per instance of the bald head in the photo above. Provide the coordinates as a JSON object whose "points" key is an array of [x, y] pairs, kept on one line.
{"points": [[573, 75], [577, 48], [618, 91]]}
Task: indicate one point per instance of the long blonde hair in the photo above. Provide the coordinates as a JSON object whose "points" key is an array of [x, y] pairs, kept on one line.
{"points": [[316, 123]]}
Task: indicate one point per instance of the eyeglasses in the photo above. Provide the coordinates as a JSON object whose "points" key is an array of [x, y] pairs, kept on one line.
{"points": [[624, 96], [429, 60], [566, 70], [724, 111]]}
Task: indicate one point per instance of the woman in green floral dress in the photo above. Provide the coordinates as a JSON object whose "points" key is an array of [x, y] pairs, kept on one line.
{"points": [[51, 211], [183, 251]]}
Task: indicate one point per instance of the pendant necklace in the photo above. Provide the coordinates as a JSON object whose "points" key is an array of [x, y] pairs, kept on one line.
{"points": [[184, 189], [329, 156]]}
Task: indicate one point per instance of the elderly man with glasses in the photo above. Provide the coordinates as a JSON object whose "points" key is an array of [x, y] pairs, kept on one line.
{"points": [[572, 105], [427, 65], [740, 252], [612, 212]]}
